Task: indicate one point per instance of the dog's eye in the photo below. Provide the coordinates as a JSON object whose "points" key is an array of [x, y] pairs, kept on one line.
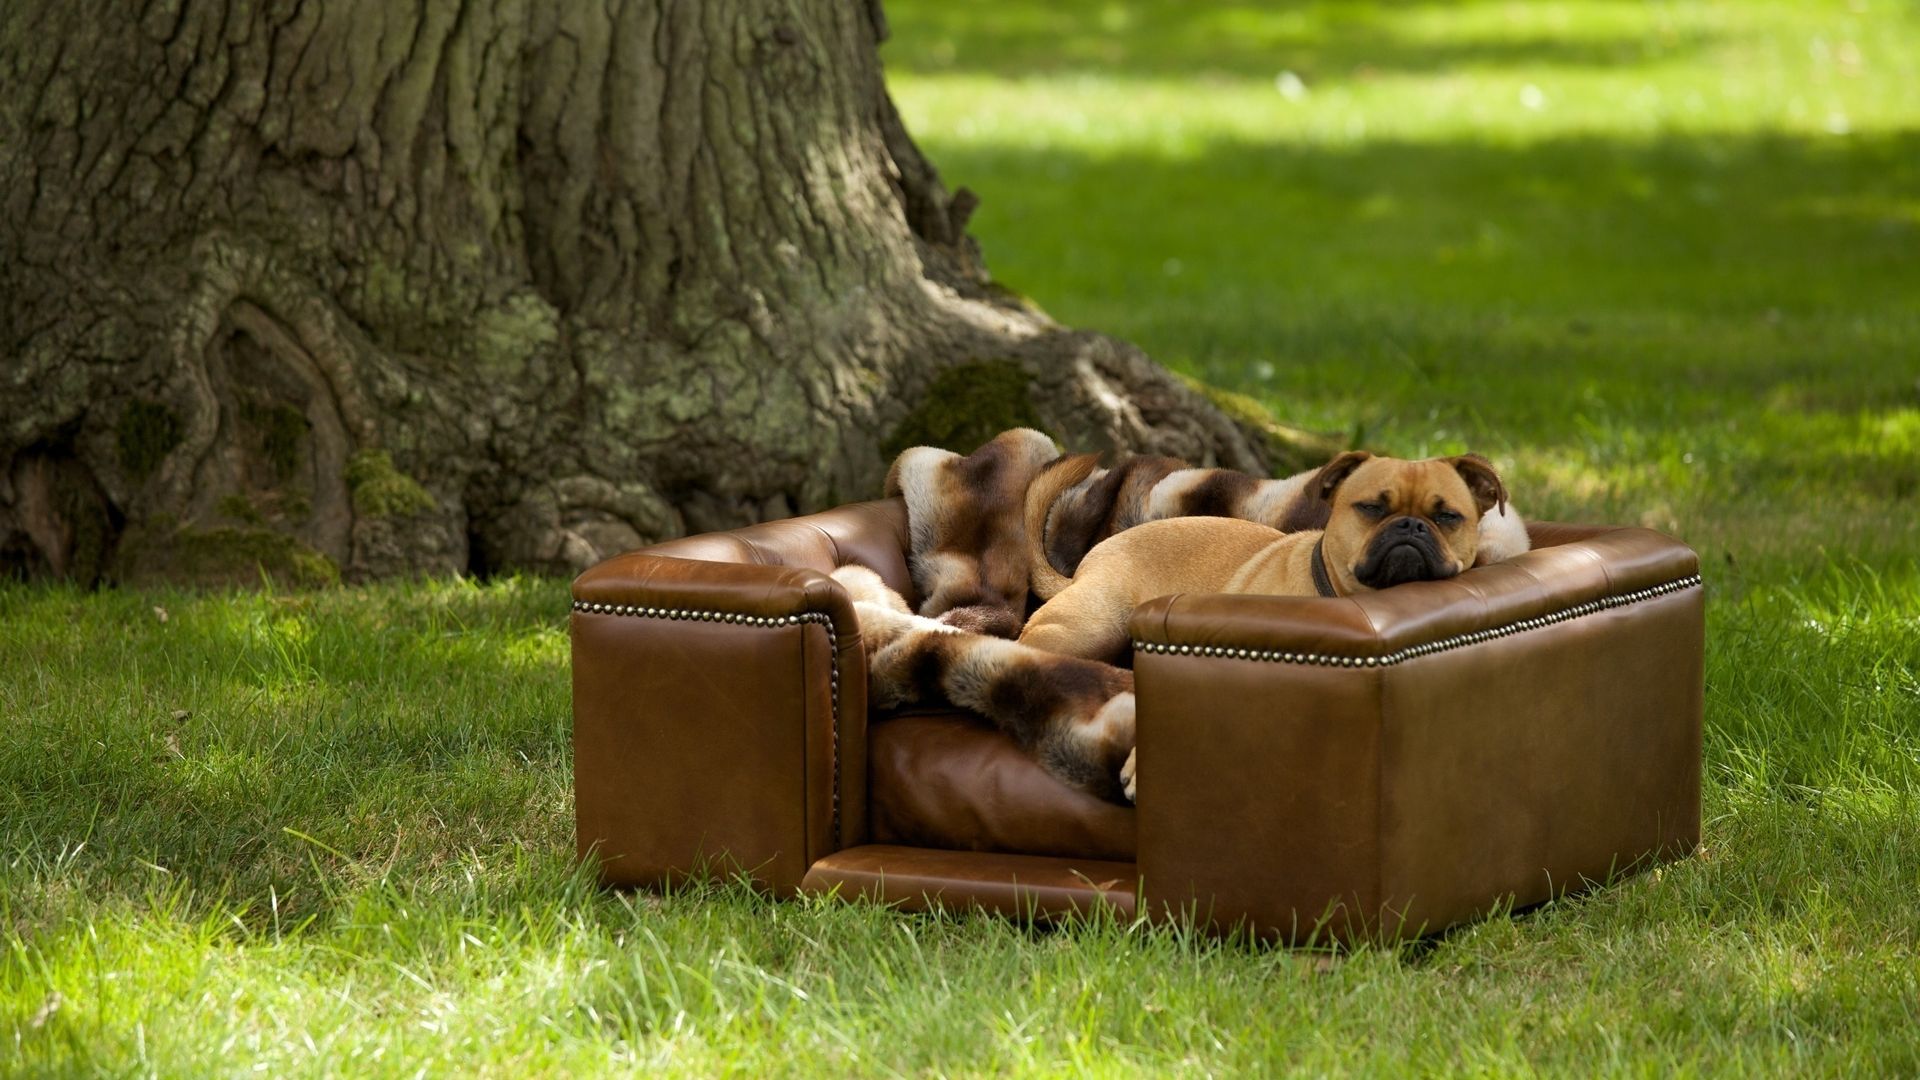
{"points": [[1448, 518], [1372, 509]]}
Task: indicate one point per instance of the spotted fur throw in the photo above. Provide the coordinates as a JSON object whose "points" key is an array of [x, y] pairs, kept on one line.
{"points": [[1012, 517], [966, 520]]}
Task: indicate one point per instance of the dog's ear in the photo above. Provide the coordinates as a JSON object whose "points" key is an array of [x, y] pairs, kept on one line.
{"points": [[1328, 479], [1487, 487]]}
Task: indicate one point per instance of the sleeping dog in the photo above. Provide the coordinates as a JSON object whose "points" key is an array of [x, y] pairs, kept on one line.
{"points": [[976, 541], [1074, 504], [1388, 521]]}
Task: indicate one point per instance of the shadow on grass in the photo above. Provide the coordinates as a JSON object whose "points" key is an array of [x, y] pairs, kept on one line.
{"points": [[1317, 41]]}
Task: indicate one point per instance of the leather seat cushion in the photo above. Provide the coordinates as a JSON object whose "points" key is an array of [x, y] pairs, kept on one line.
{"points": [[947, 778]]}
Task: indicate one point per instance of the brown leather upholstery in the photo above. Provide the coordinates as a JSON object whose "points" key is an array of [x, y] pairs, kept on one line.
{"points": [[1019, 885], [1372, 766], [870, 534], [945, 778], [1398, 762], [1531, 585], [719, 697]]}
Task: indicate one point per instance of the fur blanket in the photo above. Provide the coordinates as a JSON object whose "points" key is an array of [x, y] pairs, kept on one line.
{"points": [[965, 520], [1016, 517]]}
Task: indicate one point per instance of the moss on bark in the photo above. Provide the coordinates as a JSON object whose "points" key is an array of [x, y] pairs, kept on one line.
{"points": [[382, 491], [967, 405], [146, 434], [223, 556], [281, 429]]}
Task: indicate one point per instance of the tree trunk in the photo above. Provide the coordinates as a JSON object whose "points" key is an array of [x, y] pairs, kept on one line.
{"points": [[370, 287]]}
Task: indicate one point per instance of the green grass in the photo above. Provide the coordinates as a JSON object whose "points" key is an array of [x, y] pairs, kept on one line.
{"points": [[1675, 283]]}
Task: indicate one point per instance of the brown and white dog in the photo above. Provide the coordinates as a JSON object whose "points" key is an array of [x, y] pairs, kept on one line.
{"points": [[1388, 521], [1074, 716], [968, 555], [1073, 505]]}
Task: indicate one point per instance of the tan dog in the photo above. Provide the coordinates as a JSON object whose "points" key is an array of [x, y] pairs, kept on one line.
{"points": [[1390, 521]]}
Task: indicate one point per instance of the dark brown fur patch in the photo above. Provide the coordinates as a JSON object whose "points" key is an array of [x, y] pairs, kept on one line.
{"points": [[1079, 520], [924, 671], [1218, 494], [1033, 692], [1305, 512], [1067, 760], [990, 620], [1112, 502]]}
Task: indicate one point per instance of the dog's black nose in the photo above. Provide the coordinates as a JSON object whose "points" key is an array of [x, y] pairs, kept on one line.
{"points": [[1411, 525]]}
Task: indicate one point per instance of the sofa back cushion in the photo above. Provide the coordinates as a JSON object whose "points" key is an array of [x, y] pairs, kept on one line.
{"points": [[871, 534]]}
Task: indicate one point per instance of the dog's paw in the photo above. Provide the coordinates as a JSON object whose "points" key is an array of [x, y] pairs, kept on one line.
{"points": [[1127, 776]]}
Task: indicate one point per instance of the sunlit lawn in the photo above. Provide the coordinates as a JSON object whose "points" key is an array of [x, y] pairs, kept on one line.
{"points": [[1661, 260]]}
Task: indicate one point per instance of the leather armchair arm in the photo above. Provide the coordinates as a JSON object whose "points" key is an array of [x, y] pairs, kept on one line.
{"points": [[733, 591], [720, 700], [1379, 765], [1602, 567]]}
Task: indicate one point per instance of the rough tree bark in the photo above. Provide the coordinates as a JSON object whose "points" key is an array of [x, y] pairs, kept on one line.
{"points": [[371, 286]]}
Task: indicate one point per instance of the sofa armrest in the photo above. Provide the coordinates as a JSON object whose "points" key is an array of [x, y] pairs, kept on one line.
{"points": [[1389, 764], [1609, 566], [719, 718]]}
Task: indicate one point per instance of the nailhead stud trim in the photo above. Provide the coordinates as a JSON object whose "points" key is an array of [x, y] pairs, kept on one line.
{"points": [[707, 615], [1235, 652]]}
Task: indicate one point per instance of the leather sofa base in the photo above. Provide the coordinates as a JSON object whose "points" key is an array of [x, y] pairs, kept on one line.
{"points": [[1050, 889], [919, 879], [1363, 768]]}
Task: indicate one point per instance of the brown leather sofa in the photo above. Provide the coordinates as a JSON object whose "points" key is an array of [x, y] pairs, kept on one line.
{"points": [[1372, 767]]}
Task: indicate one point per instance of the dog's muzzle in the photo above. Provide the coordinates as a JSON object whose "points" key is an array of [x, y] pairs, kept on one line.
{"points": [[1405, 549]]}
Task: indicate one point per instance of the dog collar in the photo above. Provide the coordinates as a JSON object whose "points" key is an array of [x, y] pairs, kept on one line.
{"points": [[1320, 579]]}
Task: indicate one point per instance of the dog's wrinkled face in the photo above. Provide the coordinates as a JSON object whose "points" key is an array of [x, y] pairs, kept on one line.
{"points": [[1396, 521]]}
